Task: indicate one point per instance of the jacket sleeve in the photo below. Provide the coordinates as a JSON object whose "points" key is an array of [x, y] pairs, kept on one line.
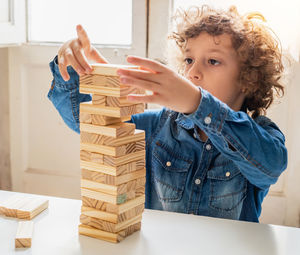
{"points": [[65, 96], [256, 146]]}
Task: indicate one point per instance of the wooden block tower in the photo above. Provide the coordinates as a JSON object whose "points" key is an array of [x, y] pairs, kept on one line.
{"points": [[112, 157]]}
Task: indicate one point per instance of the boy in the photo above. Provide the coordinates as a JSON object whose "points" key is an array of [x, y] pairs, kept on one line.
{"points": [[204, 154]]}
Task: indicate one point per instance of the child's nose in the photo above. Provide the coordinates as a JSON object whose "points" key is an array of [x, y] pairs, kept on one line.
{"points": [[195, 75]]}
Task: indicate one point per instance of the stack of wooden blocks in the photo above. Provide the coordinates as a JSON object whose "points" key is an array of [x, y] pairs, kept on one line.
{"points": [[112, 157]]}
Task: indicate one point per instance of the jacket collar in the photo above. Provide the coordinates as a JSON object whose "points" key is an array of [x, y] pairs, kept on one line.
{"points": [[184, 121]]}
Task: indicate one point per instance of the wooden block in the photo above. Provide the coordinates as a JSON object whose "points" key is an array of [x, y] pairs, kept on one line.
{"points": [[113, 199], [23, 207], [116, 112], [108, 91], [86, 137], [9, 207], [114, 130], [106, 120], [85, 118], [110, 179], [98, 100], [115, 151], [114, 170], [117, 161], [119, 101], [24, 234], [107, 236], [109, 69], [100, 80], [91, 157], [112, 217], [116, 190], [111, 101], [109, 226], [112, 208], [33, 208]]}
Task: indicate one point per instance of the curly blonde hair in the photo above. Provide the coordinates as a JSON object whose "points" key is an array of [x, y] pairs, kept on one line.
{"points": [[259, 51]]}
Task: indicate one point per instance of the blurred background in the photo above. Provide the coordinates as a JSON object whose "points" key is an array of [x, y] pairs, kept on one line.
{"points": [[39, 154]]}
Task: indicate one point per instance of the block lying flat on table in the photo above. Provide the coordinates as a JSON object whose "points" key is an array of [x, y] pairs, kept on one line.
{"points": [[115, 151], [113, 170], [110, 179], [33, 208], [86, 137], [24, 234], [23, 207], [112, 208], [109, 226], [117, 112], [107, 236], [112, 217], [109, 69], [114, 130]]}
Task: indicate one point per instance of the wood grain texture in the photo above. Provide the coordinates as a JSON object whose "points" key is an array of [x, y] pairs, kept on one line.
{"points": [[110, 111], [112, 208], [23, 207], [93, 138], [112, 217], [107, 91], [115, 130], [108, 236], [24, 234], [109, 69], [110, 179], [109, 226], [115, 151]]}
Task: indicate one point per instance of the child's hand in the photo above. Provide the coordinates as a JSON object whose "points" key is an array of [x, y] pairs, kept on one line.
{"points": [[169, 89], [76, 53]]}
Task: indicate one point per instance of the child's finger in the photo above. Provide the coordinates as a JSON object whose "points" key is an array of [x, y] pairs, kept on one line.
{"points": [[72, 61], [142, 98], [97, 57], [148, 63], [63, 69], [82, 60], [83, 38], [147, 85], [140, 74]]}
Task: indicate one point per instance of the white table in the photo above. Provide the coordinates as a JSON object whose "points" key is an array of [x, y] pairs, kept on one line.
{"points": [[56, 232]]}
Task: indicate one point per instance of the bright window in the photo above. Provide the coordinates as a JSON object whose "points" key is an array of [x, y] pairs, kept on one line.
{"points": [[107, 22]]}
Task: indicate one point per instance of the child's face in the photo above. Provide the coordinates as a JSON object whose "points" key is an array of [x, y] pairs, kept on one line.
{"points": [[212, 63]]}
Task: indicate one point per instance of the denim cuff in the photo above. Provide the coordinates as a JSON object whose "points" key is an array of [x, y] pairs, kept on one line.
{"points": [[72, 83], [210, 114]]}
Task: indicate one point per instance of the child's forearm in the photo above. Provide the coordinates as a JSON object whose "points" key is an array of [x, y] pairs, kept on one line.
{"points": [[65, 96], [257, 147]]}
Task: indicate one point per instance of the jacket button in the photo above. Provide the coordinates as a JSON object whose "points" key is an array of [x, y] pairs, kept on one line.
{"points": [[208, 147], [168, 163], [197, 181], [207, 120], [227, 174]]}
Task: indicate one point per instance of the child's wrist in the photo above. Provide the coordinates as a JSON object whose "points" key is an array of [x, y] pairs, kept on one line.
{"points": [[195, 101]]}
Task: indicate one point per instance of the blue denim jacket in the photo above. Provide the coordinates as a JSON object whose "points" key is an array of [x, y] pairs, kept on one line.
{"points": [[227, 176]]}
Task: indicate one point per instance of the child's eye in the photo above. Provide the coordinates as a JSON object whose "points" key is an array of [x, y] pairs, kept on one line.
{"points": [[213, 62], [188, 61]]}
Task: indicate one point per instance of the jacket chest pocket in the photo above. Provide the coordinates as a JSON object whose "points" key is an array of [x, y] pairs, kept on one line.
{"points": [[169, 172], [227, 188]]}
